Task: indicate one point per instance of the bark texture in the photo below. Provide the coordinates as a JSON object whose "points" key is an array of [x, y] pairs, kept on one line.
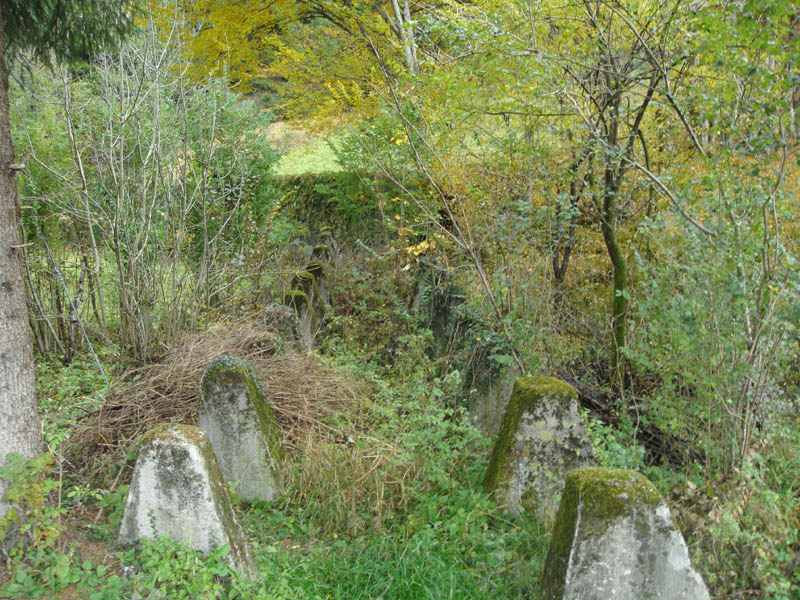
{"points": [[20, 429]]}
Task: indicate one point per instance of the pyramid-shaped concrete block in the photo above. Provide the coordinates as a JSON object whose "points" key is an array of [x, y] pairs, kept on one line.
{"points": [[178, 492], [493, 391], [541, 439], [241, 427], [614, 538]]}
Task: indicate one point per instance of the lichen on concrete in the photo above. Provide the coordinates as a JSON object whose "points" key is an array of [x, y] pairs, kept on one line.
{"points": [[241, 427], [614, 538], [178, 492], [541, 439]]}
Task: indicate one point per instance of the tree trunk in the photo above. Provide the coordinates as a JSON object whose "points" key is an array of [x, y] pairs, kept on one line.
{"points": [[564, 247], [20, 429], [619, 299], [406, 34]]}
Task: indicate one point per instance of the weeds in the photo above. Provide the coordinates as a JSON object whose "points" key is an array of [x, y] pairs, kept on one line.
{"points": [[382, 494]]}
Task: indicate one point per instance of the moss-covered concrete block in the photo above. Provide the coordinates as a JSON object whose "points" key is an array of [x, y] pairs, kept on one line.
{"points": [[304, 281], [490, 396], [541, 439], [315, 267], [322, 252], [322, 295], [311, 298], [298, 300], [282, 321], [178, 492], [234, 413], [313, 281], [614, 538]]}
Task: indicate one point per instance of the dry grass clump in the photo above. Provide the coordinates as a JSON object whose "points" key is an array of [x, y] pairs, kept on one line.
{"points": [[354, 487], [302, 391], [351, 481]]}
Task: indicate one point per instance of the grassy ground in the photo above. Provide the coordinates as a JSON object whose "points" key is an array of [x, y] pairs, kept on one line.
{"points": [[303, 151], [383, 496]]}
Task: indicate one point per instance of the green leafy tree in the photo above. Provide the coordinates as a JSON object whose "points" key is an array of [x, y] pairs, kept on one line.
{"points": [[54, 30]]}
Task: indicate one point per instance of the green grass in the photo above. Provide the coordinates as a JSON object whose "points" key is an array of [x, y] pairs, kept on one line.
{"points": [[419, 569], [313, 156], [469, 552]]}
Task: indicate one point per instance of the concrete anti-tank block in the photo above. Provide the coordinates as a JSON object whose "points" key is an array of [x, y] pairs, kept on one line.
{"points": [[241, 427], [614, 538], [541, 439], [178, 492]]}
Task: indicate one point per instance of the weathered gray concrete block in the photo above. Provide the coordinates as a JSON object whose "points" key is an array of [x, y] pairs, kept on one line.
{"points": [[541, 439], [178, 492], [310, 298], [492, 394], [320, 292], [614, 538], [298, 300], [241, 427], [282, 321], [322, 252]]}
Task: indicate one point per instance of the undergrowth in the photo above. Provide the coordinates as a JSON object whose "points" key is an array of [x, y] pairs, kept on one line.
{"points": [[388, 503]]}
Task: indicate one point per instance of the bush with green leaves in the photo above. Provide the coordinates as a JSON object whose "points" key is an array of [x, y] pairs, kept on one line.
{"points": [[43, 574], [146, 197], [31, 520], [744, 530], [714, 327]]}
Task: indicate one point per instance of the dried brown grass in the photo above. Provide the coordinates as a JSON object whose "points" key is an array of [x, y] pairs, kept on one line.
{"points": [[302, 389], [353, 481], [351, 488]]}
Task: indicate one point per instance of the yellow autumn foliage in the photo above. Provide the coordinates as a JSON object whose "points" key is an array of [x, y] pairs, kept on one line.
{"points": [[223, 38], [322, 67]]}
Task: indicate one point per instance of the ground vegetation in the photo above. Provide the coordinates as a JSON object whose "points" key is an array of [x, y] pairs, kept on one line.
{"points": [[599, 191]]}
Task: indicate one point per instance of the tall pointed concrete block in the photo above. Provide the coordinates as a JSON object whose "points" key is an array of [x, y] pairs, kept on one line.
{"points": [[241, 427], [177, 491], [614, 538], [492, 393], [541, 439]]}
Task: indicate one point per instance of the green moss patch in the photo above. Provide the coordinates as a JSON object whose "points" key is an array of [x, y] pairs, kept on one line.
{"points": [[296, 299], [321, 252], [612, 493], [315, 267]]}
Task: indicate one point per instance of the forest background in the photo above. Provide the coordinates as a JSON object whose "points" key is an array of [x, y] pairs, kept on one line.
{"points": [[598, 190]]}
